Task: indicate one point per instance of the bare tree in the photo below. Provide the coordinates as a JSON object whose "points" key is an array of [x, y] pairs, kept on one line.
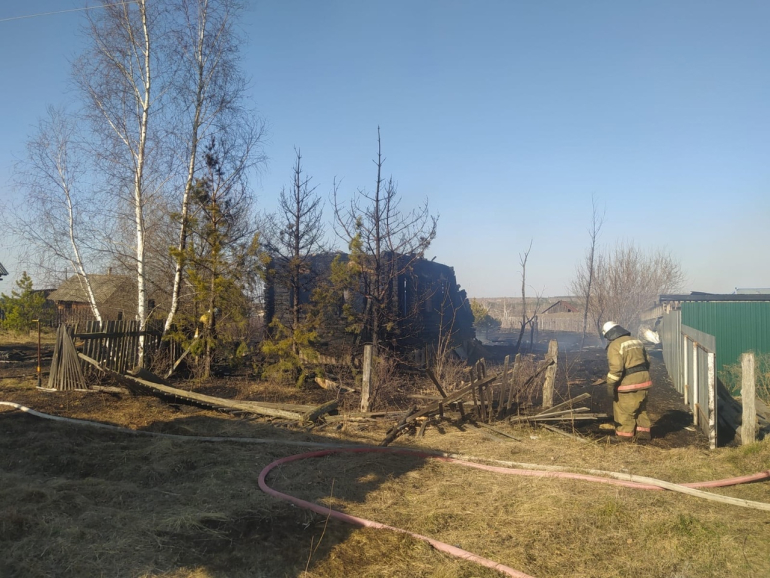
{"points": [[627, 281], [385, 242], [56, 211], [585, 271], [208, 92], [293, 235]]}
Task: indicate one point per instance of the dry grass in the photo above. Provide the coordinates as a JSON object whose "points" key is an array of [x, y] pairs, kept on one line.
{"points": [[11, 338], [79, 502]]}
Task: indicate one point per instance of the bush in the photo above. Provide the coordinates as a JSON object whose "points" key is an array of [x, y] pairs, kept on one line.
{"points": [[731, 376]]}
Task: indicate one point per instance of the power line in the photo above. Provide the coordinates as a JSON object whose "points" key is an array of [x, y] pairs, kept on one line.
{"points": [[66, 11]]}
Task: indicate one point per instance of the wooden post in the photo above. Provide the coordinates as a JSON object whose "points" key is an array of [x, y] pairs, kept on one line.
{"points": [[550, 374], [748, 397], [516, 366], [712, 394], [366, 381], [695, 384], [685, 373], [504, 387]]}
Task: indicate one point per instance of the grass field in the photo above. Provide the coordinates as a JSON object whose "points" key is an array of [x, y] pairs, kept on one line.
{"points": [[76, 501]]}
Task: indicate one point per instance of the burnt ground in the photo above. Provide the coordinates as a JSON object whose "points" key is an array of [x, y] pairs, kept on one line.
{"points": [[671, 418]]}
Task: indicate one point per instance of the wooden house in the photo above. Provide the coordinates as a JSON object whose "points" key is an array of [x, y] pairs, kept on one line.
{"points": [[115, 297], [426, 298]]}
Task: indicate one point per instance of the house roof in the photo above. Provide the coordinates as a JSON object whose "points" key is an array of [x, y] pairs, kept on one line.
{"points": [[715, 297], [104, 287], [3, 271]]}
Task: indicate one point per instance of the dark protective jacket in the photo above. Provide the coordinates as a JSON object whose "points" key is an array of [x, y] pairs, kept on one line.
{"points": [[629, 366]]}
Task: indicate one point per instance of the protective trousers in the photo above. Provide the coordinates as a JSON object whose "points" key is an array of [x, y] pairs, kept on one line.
{"points": [[630, 412]]}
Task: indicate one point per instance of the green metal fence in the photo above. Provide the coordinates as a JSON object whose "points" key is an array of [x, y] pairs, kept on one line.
{"points": [[737, 326]]}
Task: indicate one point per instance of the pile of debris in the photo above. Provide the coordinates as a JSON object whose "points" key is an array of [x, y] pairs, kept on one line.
{"points": [[491, 398]]}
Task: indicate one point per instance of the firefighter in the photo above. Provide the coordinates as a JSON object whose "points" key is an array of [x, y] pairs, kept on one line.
{"points": [[629, 381]]}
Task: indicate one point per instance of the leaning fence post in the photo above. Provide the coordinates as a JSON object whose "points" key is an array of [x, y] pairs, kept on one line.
{"points": [[366, 381], [748, 398]]}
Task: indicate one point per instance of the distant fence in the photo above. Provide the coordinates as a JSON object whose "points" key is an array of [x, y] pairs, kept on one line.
{"points": [[568, 322]]}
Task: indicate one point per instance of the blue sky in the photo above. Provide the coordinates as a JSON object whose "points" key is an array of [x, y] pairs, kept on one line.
{"points": [[508, 116]]}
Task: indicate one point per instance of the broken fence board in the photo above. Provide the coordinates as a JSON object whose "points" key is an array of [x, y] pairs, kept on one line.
{"points": [[566, 404]]}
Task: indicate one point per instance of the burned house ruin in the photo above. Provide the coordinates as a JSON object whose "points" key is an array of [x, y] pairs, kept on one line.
{"points": [[427, 302]]}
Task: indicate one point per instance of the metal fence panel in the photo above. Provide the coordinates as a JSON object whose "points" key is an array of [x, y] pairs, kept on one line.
{"points": [[738, 326], [671, 339]]}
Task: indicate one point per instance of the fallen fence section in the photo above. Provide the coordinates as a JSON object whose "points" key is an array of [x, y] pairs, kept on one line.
{"points": [[142, 385]]}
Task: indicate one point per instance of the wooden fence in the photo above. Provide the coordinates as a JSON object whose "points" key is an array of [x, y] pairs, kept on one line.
{"points": [[115, 344]]}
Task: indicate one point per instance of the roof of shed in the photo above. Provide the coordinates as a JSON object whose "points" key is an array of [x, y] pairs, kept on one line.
{"points": [[104, 287]]}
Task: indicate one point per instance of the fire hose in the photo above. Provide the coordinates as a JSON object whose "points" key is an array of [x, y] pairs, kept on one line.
{"points": [[503, 467]]}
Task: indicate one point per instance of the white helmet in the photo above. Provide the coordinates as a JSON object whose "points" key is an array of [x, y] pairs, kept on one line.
{"points": [[607, 326]]}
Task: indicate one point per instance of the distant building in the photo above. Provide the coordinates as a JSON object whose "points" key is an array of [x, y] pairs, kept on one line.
{"points": [[115, 297], [418, 294], [3, 272], [561, 316]]}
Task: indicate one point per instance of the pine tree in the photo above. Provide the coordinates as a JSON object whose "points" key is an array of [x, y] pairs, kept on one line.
{"points": [[23, 306]]}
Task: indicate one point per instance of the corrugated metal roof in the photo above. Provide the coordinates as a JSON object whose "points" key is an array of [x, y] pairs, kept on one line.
{"points": [[715, 297]]}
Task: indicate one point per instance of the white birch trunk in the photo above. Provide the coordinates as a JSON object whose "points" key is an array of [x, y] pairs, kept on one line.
{"points": [[141, 309], [195, 137]]}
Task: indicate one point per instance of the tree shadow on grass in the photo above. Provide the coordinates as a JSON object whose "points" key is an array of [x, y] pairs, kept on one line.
{"points": [[125, 505]]}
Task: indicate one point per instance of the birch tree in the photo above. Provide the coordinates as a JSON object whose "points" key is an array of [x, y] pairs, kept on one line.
{"points": [[208, 95], [57, 210], [117, 78]]}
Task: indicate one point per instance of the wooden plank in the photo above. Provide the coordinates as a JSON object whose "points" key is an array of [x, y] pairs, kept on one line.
{"points": [[366, 381], [550, 374], [482, 404], [748, 397], [181, 357], [408, 419], [516, 418], [514, 372], [435, 381], [565, 417], [566, 404], [504, 388], [317, 412], [455, 396], [562, 432], [217, 402], [496, 430]]}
